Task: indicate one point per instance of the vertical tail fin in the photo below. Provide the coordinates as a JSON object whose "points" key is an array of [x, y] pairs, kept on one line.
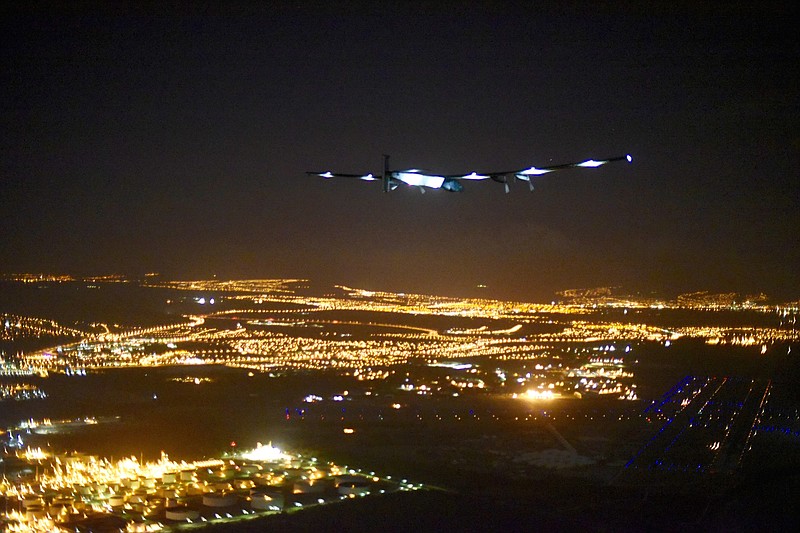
{"points": [[386, 177]]}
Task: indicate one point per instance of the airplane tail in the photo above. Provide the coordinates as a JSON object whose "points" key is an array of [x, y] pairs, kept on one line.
{"points": [[387, 186]]}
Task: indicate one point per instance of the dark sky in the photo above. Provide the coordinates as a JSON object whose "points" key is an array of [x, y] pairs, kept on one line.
{"points": [[176, 141]]}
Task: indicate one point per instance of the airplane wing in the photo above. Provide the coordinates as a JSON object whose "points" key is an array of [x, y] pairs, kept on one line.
{"points": [[329, 174], [452, 182], [526, 174], [537, 171]]}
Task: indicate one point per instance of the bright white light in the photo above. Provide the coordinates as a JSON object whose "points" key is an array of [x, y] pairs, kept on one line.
{"points": [[473, 176], [35, 454], [369, 177], [540, 395], [327, 174], [629, 158], [591, 163], [420, 180], [265, 453], [454, 366], [533, 171]]}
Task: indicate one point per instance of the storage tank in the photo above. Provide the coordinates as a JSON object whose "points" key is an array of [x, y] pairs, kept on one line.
{"points": [[355, 485], [181, 513], [35, 512], [250, 469], [32, 501], [219, 499], [308, 487], [266, 501]]}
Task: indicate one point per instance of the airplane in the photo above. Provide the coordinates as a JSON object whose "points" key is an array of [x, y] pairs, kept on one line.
{"points": [[413, 177]]}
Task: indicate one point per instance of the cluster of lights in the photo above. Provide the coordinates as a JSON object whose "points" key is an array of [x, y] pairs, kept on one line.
{"points": [[265, 453], [21, 392], [257, 349], [534, 394], [38, 278], [15, 327], [192, 379], [69, 488], [745, 336]]}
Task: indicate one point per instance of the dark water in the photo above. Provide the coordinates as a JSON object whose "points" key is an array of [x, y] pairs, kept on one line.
{"points": [[76, 302]]}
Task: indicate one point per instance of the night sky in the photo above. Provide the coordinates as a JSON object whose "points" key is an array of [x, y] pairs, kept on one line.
{"points": [[177, 140]]}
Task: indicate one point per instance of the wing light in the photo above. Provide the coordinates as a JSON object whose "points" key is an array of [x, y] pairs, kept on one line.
{"points": [[327, 174], [533, 171], [473, 176], [591, 163]]}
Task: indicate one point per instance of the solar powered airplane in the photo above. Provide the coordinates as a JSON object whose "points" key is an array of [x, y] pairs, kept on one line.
{"points": [[394, 178]]}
